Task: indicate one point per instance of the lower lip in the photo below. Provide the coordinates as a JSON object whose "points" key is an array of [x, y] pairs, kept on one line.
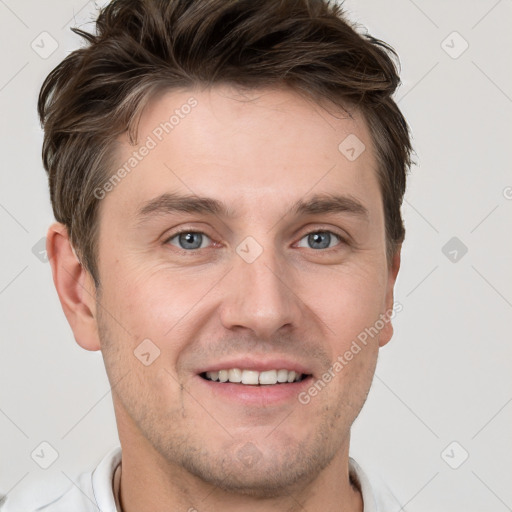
{"points": [[262, 395]]}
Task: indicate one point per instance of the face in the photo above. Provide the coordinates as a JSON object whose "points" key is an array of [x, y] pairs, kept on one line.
{"points": [[242, 244]]}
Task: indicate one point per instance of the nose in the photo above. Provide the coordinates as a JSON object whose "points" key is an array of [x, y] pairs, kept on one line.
{"points": [[260, 296]]}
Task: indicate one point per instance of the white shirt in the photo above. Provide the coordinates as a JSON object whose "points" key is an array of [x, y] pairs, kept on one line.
{"points": [[98, 490]]}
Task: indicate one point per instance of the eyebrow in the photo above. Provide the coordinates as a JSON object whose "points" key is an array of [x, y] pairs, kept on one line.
{"points": [[169, 203]]}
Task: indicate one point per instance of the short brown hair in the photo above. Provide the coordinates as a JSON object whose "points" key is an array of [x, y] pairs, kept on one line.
{"points": [[98, 92]]}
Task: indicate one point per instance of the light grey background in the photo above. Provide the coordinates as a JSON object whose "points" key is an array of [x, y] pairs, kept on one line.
{"points": [[445, 376]]}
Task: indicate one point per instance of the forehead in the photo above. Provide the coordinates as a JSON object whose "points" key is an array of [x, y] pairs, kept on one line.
{"points": [[267, 146]]}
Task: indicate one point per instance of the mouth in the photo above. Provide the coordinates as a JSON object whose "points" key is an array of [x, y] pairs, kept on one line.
{"points": [[255, 381], [248, 377]]}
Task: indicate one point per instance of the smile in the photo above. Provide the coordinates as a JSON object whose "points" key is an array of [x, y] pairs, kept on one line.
{"points": [[253, 377]]}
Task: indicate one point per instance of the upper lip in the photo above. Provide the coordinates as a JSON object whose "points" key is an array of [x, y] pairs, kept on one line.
{"points": [[257, 364]]}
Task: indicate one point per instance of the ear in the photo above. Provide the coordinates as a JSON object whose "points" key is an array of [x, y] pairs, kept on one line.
{"points": [[75, 287], [386, 332]]}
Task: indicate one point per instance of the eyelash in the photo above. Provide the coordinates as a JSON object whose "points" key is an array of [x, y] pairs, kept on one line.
{"points": [[342, 240]]}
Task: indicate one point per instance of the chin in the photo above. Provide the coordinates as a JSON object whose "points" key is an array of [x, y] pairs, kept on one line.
{"points": [[259, 471]]}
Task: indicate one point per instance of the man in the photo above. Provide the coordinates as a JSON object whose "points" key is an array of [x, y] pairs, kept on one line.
{"points": [[227, 178]]}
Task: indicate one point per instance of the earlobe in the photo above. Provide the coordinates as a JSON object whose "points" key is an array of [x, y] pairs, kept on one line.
{"points": [[387, 332], [75, 287]]}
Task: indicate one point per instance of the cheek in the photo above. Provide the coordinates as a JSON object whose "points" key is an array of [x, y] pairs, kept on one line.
{"points": [[347, 301], [157, 304], [138, 358], [142, 299]]}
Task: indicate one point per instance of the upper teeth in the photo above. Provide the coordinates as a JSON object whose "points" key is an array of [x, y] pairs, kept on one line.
{"points": [[253, 377]]}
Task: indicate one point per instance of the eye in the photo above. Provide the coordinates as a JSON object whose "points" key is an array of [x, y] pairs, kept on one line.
{"points": [[320, 240], [191, 240]]}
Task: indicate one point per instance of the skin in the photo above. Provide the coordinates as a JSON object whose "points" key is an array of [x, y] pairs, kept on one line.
{"points": [[258, 153]]}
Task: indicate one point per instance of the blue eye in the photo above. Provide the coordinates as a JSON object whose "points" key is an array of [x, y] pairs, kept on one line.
{"points": [[320, 239], [189, 240], [194, 240]]}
